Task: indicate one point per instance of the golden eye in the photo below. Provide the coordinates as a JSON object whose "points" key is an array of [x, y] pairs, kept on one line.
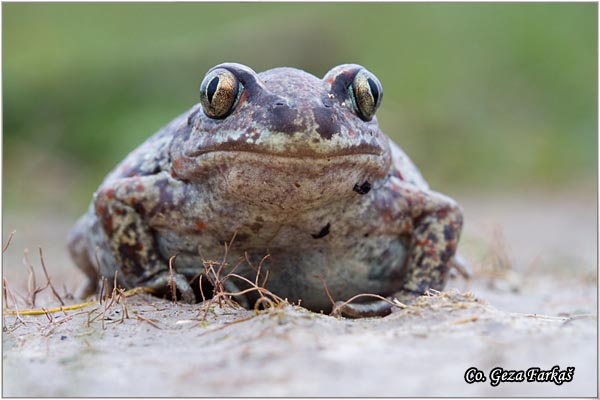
{"points": [[367, 94], [219, 92]]}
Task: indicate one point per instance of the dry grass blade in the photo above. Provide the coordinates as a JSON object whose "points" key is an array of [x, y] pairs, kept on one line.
{"points": [[336, 308], [261, 301], [57, 322], [201, 291], [148, 320], [172, 279], [375, 296], [9, 292], [123, 294], [258, 271], [98, 315], [124, 313], [96, 250], [246, 291], [54, 292], [319, 277], [255, 288], [89, 316], [220, 293], [472, 318], [137, 290], [48, 315], [4, 293], [5, 247], [227, 325], [216, 281], [115, 282], [50, 310], [108, 304], [102, 292], [32, 288]]}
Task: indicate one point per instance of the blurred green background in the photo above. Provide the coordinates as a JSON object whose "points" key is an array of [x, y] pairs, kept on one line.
{"points": [[483, 97]]}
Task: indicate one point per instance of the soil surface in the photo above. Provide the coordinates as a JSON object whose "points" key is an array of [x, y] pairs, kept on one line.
{"points": [[531, 302]]}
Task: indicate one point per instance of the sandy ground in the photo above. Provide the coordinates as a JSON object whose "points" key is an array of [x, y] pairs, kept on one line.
{"points": [[532, 302]]}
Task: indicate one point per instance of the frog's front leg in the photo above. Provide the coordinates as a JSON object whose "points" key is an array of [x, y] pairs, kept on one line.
{"points": [[435, 225], [123, 208], [433, 222]]}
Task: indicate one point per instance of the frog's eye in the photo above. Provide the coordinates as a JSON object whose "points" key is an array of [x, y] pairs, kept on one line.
{"points": [[367, 93], [219, 92]]}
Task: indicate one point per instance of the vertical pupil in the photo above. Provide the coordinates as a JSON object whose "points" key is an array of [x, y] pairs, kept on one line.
{"points": [[374, 90], [212, 88]]}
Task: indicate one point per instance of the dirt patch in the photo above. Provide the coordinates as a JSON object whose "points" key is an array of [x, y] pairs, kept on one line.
{"points": [[165, 349]]}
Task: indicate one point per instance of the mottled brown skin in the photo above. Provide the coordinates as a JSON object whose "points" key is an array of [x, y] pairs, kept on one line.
{"points": [[294, 172]]}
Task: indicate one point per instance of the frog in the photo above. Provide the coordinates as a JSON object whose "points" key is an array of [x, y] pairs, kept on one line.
{"points": [[288, 171]]}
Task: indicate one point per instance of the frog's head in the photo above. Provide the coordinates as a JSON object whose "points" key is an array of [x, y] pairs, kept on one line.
{"points": [[286, 129]]}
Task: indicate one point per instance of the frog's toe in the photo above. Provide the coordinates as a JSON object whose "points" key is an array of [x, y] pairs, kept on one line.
{"points": [[183, 287], [164, 282], [378, 308], [461, 266]]}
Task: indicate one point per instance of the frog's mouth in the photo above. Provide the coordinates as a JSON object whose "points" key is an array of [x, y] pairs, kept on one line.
{"points": [[291, 152]]}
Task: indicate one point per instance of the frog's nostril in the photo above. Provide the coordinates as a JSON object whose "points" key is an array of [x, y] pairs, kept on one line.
{"points": [[279, 104]]}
